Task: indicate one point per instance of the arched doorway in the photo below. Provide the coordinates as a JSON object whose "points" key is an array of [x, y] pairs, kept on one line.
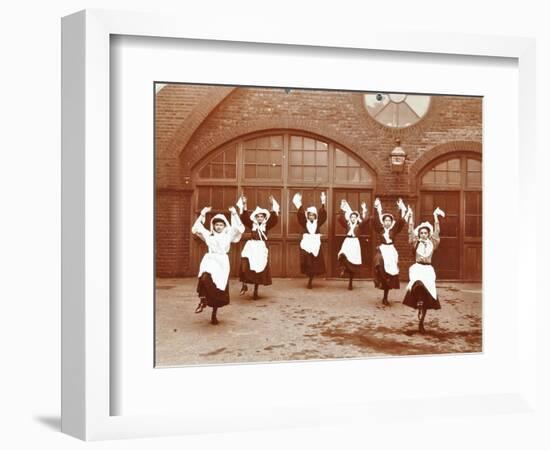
{"points": [[454, 184], [282, 163]]}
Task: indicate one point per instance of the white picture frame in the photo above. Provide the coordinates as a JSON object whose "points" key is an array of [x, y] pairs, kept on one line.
{"points": [[87, 384]]}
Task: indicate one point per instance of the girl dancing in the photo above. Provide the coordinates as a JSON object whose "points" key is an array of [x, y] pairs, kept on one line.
{"points": [[386, 269], [255, 255], [349, 256], [421, 291], [213, 285], [311, 256]]}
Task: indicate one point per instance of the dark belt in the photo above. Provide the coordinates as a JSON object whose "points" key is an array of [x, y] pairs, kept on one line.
{"points": [[386, 243], [352, 237], [423, 263]]}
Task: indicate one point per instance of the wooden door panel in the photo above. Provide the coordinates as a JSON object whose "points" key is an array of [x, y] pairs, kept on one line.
{"points": [[447, 258], [472, 262], [276, 258]]}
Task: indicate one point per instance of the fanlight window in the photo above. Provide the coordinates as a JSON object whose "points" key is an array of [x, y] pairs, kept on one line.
{"points": [[288, 159], [450, 174], [397, 110], [223, 166]]}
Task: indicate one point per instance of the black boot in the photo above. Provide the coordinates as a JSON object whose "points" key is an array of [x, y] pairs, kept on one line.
{"points": [[202, 304], [310, 283], [255, 296], [244, 289], [350, 284]]}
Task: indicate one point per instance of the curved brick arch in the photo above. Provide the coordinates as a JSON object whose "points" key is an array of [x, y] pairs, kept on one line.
{"points": [[437, 152], [314, 127], [201, 111]]}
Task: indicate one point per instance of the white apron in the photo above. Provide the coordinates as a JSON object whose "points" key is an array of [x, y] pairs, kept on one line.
{"points": [[256, 251], [217, 265], [424, 273], [390, 257], [351, 248], [311, 243]]}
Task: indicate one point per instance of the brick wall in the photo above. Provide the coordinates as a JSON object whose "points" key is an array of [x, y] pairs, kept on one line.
{"points": [[192, 121]]}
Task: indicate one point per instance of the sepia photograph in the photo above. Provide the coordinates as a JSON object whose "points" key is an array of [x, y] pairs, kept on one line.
{"points": [[300, 224]]}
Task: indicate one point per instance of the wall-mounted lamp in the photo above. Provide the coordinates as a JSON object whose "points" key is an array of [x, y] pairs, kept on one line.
{"points": [[397, 158]]}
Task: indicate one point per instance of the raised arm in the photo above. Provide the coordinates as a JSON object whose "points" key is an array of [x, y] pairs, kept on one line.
{"points": [[412, 238], [400, 222], [301, 215], [377, 221], [436, 239], [237, 228], [322, 216], [274, 217], [198, 227], [364, 218]]}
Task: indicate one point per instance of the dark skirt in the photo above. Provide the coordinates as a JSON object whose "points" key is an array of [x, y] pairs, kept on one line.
{"points": [[208, 290], [310, 264], [382, 279], [249, 276], [347, 267], [419, 297]]}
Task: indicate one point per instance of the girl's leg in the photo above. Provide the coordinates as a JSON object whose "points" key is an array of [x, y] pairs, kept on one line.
{"points": [[202, 304], [385, 299], [421, 316], [214, 319], [310, 282], [244, 288], [255, 296], [350, 282]]}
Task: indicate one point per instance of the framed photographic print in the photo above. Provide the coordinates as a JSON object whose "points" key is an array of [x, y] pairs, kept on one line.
{"points": [[264, 221]]}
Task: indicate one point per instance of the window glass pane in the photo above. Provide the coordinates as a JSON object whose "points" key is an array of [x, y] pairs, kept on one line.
{"points": [[322, 145], [296, 142], [440, 177], [218, 159], [296, 173], [276, 156], [309, 158], [295, 157], [217, 200], [321, 158], [429, 178], [309, 144], [263, 156], [418, 103], [250, 156], [474, 165], [309, 174], [250, 144], [231, 154], [353, 174], [365, 175], [276, 142], [388, 115], [341, 174], [474, 179], [454, 164], [263, 143], [406, 116], [454, 178], [262, 171], [322, 174], [275, 172], [205, 172], [217, 170], [249, 171], [341, 158], [230, 171]]}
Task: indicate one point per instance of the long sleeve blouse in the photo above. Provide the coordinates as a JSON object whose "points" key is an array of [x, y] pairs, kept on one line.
{"points": [[424, 249]]}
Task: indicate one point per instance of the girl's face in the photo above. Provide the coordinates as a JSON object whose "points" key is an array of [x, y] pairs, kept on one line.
{"points": [[260, 218], [353, 218], [219, 227], [311, 216], [423, 233], [387, 222]]}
